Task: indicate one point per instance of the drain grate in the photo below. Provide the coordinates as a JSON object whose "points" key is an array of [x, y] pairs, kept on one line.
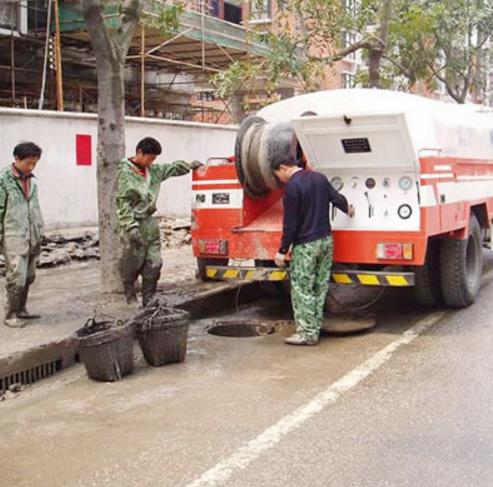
{"points": [[31, 375]]}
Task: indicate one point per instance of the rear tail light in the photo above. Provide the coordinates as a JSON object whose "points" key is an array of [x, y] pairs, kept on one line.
{"points": [[395, 251], [213, 247]]}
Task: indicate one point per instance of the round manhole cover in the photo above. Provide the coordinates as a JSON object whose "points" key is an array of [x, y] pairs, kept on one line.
{"points": [[241, 329]]}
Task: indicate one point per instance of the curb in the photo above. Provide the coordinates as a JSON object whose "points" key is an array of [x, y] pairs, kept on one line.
{"points": [[39, 362]]}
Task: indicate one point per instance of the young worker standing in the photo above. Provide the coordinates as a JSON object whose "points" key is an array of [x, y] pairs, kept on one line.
{"points": [[21, 231], [139, 181], [306, 227]]}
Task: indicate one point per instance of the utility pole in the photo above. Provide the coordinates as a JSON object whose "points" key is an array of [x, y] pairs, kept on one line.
{"points": [[58, 59], [12, 65], [142, 70]]}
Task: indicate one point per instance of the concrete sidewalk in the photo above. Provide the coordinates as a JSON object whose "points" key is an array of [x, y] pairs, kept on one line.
{"points": [[67, 296]]}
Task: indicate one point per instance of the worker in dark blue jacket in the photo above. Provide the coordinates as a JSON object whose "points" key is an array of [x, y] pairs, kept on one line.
{"points": [[306, 230]]}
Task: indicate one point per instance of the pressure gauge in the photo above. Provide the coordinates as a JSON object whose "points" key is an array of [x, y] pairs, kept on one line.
{"points": [[404, 211], [386, 182], [405, 183], [337, 183], [354, 181], [370, 183]]}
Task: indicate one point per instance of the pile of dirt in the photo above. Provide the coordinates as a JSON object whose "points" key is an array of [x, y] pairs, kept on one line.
{"points": [[72, 246], [58, 249], [175, 233]]}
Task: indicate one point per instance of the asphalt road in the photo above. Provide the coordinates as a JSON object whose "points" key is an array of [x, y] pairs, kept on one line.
{"points": [[406, 404]]}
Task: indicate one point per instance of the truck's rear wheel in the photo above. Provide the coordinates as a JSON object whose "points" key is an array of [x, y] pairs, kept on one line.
{"points": [[427, 289], [202, 263], [461, 266]]}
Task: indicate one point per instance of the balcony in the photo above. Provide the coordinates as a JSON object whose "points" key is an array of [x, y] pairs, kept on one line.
{"points": [[204, 42]]}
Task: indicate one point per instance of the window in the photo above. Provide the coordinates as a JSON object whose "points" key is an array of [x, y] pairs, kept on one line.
{"points": [[214, 8], [8, 15], [347, 80], [351, 6], [206, 96], [348, 39], [441, 61], [13, 16], [260, 10], [233, 13]]}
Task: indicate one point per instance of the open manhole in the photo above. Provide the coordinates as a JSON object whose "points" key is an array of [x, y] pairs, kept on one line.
{"points": [[241, 329]]}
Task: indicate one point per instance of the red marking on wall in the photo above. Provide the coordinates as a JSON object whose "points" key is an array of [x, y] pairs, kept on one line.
{"points": [[83, 152]]}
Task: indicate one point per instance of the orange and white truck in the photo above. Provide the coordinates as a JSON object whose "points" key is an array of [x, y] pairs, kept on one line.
{"points": [[418, 171]]}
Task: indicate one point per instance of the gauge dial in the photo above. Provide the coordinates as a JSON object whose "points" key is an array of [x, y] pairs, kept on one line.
{"points": [[404, 211], [337, 183], [405, 183]]}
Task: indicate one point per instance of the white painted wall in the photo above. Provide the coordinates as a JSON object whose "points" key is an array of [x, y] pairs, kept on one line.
{"points": [[68, 192]]}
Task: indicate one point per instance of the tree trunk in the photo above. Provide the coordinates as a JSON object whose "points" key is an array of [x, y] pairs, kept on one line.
{"points": [[111, 149], [236, 108], [375, 53], [374, 62], [110, 48]]}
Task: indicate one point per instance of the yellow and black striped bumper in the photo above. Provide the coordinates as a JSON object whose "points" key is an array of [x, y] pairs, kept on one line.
{"points": [[365, 278]]}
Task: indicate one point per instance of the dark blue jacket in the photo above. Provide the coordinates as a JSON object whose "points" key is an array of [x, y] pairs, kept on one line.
{"points": [[306, 208]]}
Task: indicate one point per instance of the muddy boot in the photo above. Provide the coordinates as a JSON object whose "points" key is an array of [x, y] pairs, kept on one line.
{"points": [[23, 313], [11, 307], [148, 290], [130, 294]]}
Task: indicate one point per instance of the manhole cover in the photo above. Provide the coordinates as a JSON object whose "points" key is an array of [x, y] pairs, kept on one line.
{"points": [[241, 329]]}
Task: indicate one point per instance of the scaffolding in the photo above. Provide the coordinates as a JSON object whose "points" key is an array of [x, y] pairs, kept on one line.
{"points": [[46, 60]]}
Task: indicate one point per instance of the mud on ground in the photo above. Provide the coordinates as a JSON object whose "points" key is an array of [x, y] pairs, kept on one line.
{"points": [[70, 245]]}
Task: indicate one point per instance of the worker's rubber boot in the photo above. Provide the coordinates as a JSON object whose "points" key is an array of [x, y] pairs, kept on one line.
{"points": [[301, 339], [12, 305], [149, 284], [23, 313], [130, 294]]}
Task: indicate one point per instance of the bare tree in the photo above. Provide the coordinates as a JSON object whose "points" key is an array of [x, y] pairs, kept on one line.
{"points": [[110, 46]]}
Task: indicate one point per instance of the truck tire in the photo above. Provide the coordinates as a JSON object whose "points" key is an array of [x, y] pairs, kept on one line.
{"points": [[201, 267], [461, 267], [427, 289]]}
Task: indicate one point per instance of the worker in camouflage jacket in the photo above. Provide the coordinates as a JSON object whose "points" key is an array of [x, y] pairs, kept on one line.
{"points": [[21, 231], [139, 181]]}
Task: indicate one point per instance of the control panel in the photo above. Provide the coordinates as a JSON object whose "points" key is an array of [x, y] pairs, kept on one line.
{"points": [[383, 200]]}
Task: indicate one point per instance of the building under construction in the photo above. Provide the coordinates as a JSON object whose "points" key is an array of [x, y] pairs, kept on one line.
{"points": [[46, 60]]}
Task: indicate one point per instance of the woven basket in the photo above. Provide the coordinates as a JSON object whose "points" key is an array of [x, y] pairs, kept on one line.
{"points": [[163, 339], [107, 354]]}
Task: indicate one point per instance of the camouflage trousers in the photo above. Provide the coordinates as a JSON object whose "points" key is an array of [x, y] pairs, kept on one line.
{"points": [[310, 272], [142, 260]]}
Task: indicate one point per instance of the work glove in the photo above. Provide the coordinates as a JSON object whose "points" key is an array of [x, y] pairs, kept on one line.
{"points": [[194, 165], [280, 259], [351, 211], [135, 237]]}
